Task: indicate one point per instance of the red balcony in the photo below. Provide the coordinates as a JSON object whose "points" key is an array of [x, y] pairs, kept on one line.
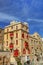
{"points": [[11, 46], [16, 53], [22, 35], [11, 34]]}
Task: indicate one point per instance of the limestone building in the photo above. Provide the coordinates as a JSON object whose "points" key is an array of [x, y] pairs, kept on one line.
{"points": [[4, 58], [16, 38], [20, 43], [35, 42], [1, 38]]}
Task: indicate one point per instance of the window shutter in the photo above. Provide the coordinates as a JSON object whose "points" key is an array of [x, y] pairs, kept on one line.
{"points": [[22, 35], [16, 35], [16, 42]]}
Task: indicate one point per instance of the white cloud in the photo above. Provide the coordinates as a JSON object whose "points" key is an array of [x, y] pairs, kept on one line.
{"points": [[37, 20], [4, 16]]}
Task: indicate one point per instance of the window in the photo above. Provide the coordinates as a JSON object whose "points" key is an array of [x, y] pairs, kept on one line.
{"points": [[32, 47], [11, 34], [11, 46], [16, 53], [26, 45], [16, 35], [37, 35], [31, 41], [16, 27], [7, 30], [16, 42], [7, 43], [11, 27], [0, 59], [22, 26], [7, 36], [33, 36], [28, 57], [22, 35], [0, 31], [24, 51], [27, 36], [26, 28]]}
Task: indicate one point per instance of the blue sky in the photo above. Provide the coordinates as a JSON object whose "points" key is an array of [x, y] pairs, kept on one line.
{"points": [[30, 11]]}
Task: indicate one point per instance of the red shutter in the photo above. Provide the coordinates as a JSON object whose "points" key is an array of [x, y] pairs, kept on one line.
{"points": [[11, 46], [16, 53], [22, 35], [11, 34]]}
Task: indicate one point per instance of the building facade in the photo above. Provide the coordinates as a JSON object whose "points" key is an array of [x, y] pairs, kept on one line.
{"points": [[20, 43], [35, 42], [1, 38], [4, 58], [16, 37]]}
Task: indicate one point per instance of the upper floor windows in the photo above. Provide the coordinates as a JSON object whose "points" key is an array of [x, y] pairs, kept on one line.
{"points": [[16, 35], [27, 36], [7, 30], [16, 42], [22, 35], [7, 43], [11, 35], [7, 36], [0, 31], [11, 27], [31, 41], [22, 26], [16, 27]]}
